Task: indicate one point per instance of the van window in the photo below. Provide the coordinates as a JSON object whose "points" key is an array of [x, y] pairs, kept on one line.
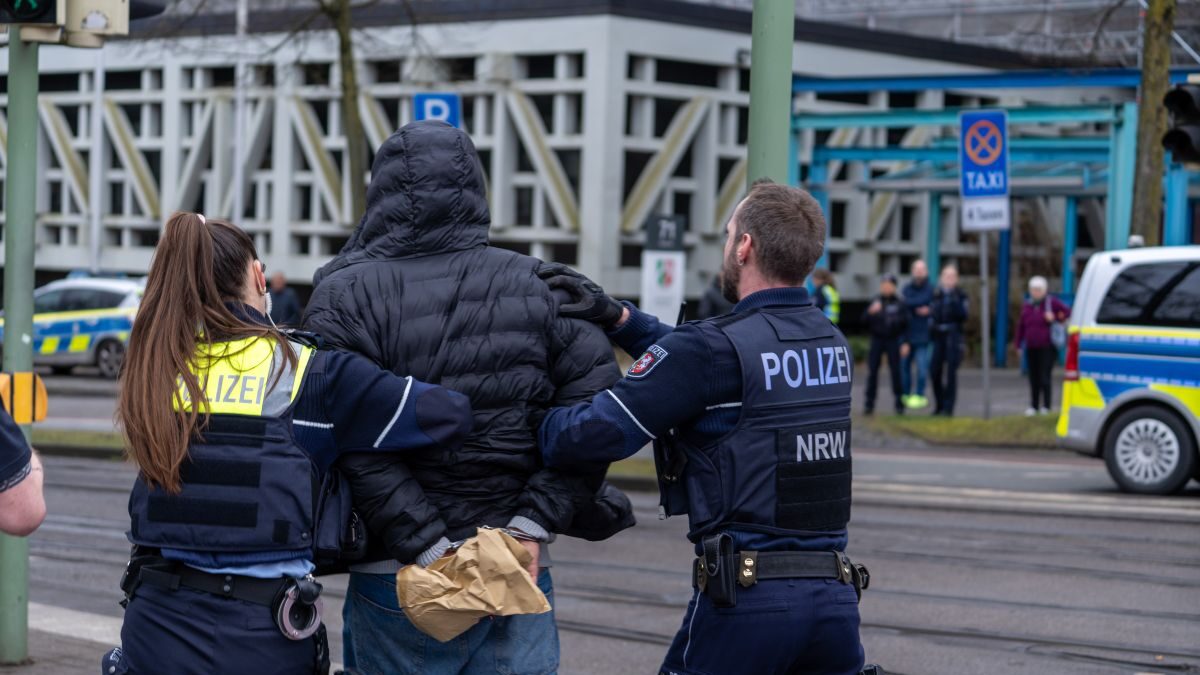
{"points": [[1137, 293], [48, 302], [86, 299], [1181, 306]]}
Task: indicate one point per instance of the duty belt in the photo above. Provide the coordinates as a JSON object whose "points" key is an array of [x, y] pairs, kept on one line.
{"points": [[719, 571], [295, 604]]}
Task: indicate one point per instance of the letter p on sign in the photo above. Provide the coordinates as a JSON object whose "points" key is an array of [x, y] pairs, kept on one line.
{"points": [[446, 107]]}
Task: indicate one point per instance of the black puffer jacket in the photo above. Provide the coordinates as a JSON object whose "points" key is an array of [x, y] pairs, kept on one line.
{"points": [[418, 290]]}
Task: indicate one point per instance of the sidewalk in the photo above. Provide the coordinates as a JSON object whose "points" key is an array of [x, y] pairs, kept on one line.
{"points": [[1009, 392], [52, 654]]}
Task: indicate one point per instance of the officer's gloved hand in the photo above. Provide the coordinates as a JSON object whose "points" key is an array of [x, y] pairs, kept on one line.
{"points": [[588, 301]]}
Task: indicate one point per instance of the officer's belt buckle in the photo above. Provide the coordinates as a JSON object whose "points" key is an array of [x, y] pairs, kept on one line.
{"points": [[748, 568]]}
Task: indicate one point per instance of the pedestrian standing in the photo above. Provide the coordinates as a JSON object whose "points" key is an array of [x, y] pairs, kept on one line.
{"points": [[755, 448], [918, 297], [1040, 333], [284, 308], [949, 313], [887, 321], [825, 294], [234, 427]]}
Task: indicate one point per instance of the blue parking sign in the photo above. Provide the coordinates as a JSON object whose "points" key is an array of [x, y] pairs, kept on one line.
{"points": [[443, 106], [983, 153]]}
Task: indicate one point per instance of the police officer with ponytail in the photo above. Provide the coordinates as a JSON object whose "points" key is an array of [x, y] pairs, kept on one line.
{"points": [[235, 427], [750, 417]]}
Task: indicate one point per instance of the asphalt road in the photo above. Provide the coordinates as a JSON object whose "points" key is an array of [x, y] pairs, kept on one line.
{"points": [[982, 562]]}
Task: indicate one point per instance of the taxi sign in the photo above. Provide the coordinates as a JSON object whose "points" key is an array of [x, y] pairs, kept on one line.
{"points": [[24, 396], [983, 161]]}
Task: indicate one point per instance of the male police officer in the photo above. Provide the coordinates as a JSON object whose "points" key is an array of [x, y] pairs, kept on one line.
{"points": [[750, 414]]}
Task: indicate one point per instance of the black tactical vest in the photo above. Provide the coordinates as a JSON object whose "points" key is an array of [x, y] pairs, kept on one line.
{"points": [[247, 485], [785, 468]]}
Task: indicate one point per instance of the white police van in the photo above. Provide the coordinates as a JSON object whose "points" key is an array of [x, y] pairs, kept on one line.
{"points": [[1132, 389], [82, 322]]}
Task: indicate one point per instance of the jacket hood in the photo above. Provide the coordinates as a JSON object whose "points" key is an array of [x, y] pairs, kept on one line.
{"points": [[427, 195]]}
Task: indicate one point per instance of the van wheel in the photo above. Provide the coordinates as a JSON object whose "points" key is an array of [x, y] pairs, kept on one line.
{"points": [[110, 354], [1149, 451]]}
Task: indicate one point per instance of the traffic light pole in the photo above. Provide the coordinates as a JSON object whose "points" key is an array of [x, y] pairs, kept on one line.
{"points": [[19, 198], [772, 33]]}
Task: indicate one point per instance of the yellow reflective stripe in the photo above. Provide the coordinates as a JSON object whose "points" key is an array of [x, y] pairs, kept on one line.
{"points": [[49, 345], [80, 343], [84, 314], [1082, 393], [1156, 332], [305, 356], [1188, 396]]}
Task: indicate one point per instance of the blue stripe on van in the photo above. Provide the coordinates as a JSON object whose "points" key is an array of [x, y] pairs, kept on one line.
{"points": [[1184, 372], [1110, 390], [66, 327], [1173, 347]]}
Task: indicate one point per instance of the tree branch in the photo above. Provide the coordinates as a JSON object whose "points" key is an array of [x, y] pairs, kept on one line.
{"points": [[1105, 17]]}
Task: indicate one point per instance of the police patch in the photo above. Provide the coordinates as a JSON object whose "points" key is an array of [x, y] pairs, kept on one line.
{"points": [[646, 363]]}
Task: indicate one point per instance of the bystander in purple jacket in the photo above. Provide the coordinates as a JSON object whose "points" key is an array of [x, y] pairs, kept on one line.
{"points": [[1033, 330]]}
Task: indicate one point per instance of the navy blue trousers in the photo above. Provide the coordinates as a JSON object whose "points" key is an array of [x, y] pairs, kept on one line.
{"points": [[943, 368], [780, 626], [187, 632]]}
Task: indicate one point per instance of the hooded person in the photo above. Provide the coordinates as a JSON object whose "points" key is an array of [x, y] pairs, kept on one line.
{"points": [[419, 290]]}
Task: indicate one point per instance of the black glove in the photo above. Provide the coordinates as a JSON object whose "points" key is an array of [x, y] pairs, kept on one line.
{"points": [[588, 301]]}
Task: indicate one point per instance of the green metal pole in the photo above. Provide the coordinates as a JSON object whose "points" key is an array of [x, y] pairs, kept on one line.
{"points": [[19, 198], [770, 89]]}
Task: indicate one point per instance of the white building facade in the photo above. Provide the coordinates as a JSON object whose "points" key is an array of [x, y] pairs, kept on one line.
{"points": [[588, 119]]}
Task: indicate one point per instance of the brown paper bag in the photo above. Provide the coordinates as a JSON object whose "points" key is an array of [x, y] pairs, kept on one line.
{"points": [[486, 576]]}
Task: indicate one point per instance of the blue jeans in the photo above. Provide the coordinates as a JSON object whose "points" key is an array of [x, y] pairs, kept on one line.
{"points": [[379, 640], [918, 354], [777, 626]]}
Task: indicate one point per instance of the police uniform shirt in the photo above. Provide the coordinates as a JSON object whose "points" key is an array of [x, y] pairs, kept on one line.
{"points": [[688, 378], [15, 454]]}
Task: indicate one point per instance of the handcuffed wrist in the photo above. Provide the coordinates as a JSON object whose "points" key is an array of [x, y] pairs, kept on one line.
{"points": [[433, 552], [529, 527]]}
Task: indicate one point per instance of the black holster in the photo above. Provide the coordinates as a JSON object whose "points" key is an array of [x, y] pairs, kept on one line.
{"points": [[670, 460], [139, 557], [718, 583]]}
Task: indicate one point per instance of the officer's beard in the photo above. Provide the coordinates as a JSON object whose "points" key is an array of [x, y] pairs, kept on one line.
{"points": [[731, 275]]}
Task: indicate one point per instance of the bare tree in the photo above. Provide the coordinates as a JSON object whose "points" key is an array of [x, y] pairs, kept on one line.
{"points": [[339, 13], [1152, 120]]}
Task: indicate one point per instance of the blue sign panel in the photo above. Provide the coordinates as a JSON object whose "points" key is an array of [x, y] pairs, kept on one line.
{"points": [[446, 107], [983, 153]]}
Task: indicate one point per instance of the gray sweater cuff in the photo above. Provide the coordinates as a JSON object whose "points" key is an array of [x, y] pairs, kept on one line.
{"points": [[529, 527], [433, 552]]}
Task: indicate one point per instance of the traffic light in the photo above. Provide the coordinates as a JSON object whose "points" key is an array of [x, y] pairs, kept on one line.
{"points": [[1183, 138], [33, 12]]}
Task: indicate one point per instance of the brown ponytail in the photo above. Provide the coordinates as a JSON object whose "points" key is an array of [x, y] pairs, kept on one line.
{"points": [[198, 267]]}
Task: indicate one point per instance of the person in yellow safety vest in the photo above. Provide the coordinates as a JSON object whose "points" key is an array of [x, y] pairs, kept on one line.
{"points": [[825, 294], [236, 428]]}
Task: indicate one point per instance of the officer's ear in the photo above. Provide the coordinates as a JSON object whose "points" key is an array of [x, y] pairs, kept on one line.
{"points": [[742, 248]]}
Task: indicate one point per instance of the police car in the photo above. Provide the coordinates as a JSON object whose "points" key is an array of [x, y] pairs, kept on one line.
{"points": [[1132, 389], [83, 322]]}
